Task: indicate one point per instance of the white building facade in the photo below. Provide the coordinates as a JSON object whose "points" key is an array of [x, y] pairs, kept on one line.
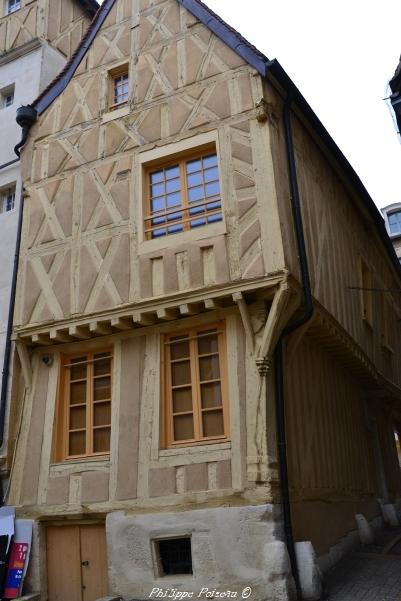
{"points": [[36, 40]]}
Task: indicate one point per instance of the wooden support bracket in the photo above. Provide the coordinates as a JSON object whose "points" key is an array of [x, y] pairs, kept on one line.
{"points": [[278, 315], [167, 314], [42, 339], [190, 309], [121, 323], [59, 335], [99, 328], [246, 319], [79, 332], [143, 319], [23, 355]]}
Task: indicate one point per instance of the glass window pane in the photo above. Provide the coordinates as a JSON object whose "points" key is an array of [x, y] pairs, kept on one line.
{"points": [[210, 161], [179, 350], [195, 194], [209, 368], [174, 217], [213, 424], [174, 200], [211, 174], [214, 218], [172, 172], [77, 443], [174, 229], [101, 366], [211, 395], [158, 204], [182, 400], [198, 222], [157, 190], [77, 418], [181, 373], [78, 372], [158, 220], [102, 414], [183, 427], [101, 389], [157, 233], [195, 179], [194, 166], [208, 344], [156, 176], [197, 210], [173, 185], [77, 393], [101, 440], [212, 189]]}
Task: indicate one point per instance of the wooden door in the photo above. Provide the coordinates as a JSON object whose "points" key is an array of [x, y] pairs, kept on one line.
{"points": [[76, 563], [94, 563]]}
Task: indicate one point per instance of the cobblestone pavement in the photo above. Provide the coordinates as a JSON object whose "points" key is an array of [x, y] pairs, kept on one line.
{"points": [[370, 574]]}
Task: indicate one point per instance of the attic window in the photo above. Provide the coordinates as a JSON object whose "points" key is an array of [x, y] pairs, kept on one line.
{"points": [[12, 6], [119, 87]]}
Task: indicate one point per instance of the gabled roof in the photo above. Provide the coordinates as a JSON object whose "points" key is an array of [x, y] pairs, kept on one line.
{"points": [[266, 68], [91, 6]]}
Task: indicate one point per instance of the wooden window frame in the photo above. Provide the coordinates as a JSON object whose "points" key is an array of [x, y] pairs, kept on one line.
{"points": [[163, 163], [113, 74], [62, 430], [167, 438]]}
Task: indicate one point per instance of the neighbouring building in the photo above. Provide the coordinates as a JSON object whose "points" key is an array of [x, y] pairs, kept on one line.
{"points": [[392, 219], [36, 39], [163, 321]]}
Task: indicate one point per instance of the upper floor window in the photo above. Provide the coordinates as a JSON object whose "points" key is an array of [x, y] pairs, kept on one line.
{"points": [[84, 417], [195, 391], [182, 194], [13, 5], [7, 202], [119, 86], [7, 96], [394, 222]]}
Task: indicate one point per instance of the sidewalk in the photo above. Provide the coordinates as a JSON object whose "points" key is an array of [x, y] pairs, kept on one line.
{"points": [[371, 573]]}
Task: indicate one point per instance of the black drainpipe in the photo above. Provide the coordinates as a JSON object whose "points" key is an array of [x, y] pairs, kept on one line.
{"points": [[26, 117], [278, 353]]}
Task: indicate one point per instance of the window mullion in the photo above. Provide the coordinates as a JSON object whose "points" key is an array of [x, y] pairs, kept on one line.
{"points": [[89, 405], [196, 387], [66, 416], [184, 195], [169, 398]]}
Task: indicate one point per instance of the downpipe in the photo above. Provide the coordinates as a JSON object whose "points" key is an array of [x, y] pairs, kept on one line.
{"points": [[26, 117], [278, 353]]}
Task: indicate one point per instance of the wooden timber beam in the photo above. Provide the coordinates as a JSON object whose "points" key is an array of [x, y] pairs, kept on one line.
{"points": [[246, 319], [25, 363]]}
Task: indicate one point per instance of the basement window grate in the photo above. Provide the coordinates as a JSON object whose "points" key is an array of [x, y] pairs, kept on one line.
{"points": [[174, 556]]}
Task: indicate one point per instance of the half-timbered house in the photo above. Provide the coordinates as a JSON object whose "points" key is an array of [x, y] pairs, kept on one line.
{"points": [[204, 283]]}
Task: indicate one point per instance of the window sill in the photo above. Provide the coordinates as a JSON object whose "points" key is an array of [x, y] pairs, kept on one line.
{"points": [[173, 240], [68, 464], [196, 448], [116, 113]]}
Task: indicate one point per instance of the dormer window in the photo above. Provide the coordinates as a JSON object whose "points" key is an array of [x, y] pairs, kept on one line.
{"points": [[13, 5], [394, 222]]}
